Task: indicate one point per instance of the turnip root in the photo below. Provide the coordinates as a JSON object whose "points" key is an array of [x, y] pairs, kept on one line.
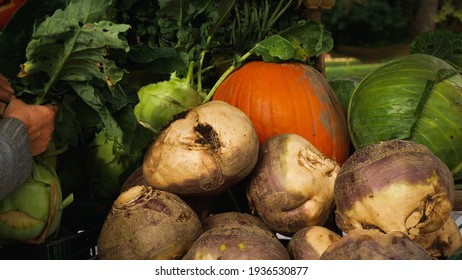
{"points": [[361, 244], [292, 185], [309, 243], [394, 185], [202, 151], [145, 223], [202, 205], [442, 243], [236, 236]]}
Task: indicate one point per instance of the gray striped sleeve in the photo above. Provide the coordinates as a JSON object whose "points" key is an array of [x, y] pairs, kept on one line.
{"points": [[15, 155]]}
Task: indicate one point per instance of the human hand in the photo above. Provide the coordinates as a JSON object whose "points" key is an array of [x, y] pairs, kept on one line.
{"points": [[5, 89], [39, 120]]}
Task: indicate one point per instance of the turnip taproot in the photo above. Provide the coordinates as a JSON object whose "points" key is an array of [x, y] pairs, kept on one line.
{"points": [[236, 236], [309, 243], [145, 223], [204, 150], [361, 244], [442, 243], [202, 205], [292, 185], [394, 185]]}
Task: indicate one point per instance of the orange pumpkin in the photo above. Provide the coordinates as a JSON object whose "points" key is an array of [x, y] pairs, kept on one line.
{"points": [[289, 98]]}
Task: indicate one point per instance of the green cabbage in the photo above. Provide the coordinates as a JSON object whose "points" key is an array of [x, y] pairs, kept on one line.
{"points": [[33, 211], [416, 97], [159, 102]]}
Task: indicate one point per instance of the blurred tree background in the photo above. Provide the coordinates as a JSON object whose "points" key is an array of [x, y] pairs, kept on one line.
{"points": [[377, 23]]}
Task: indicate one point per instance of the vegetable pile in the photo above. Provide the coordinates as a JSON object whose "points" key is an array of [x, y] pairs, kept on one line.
{"points": [[210, 141]]}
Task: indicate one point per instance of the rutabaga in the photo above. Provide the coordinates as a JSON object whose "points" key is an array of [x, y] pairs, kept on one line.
{"points": [[292, 185], [203, 151], [394, 185]]}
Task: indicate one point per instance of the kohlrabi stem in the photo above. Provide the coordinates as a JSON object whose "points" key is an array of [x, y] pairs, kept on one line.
{"points": [[40, 98], [57, 152], [190, 73], [226, 74]]}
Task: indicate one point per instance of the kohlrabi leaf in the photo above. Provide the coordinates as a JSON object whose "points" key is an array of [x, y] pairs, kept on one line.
{"points": [[72, 46]]}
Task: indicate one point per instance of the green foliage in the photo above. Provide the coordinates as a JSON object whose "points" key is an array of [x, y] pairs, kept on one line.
{"points": [[441, 43], [370, 22], [450, 11], [92, 57]]}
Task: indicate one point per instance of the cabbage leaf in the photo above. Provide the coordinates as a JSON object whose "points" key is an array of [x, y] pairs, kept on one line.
{"points": [[416, 97]]}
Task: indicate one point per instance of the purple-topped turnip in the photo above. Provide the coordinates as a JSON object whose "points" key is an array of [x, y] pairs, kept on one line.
{"points": [[309, 243], [236, 236], [394, 185], [292, 185], [145, 223], [362, 244]]}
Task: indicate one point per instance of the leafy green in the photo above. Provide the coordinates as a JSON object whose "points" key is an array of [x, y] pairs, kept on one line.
{"points": [[15, 36], [417, 97], [300, 42], [72, 46], [441, 43], [344, 88], [92, 57]]}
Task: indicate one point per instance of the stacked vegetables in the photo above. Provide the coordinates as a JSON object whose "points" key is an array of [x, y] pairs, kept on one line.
{"points": [[272, 137], [394, 191]]}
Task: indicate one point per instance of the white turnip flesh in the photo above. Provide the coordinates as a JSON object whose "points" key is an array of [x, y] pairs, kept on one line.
{"points": [[203, 151], [292, 185], [394, 185]]}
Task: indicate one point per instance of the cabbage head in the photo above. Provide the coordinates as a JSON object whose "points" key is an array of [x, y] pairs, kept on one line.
{"points": [[416, 97], [33, 212], [159, 102]]}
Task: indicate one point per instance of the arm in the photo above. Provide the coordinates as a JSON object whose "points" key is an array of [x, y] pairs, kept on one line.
{"points": [[15, 155]]}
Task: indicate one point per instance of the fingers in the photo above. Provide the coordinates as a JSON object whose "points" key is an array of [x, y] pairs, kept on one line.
{"points": [[39, 120]]}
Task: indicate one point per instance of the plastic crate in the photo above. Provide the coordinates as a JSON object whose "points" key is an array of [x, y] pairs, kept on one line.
{"points": [[76, 240]]}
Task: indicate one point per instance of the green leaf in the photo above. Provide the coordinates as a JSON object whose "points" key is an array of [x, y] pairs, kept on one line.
{"points": [[344, 88], [415, 97], [309, 37], [441, 43], [72, 45], [276, 48], [301, 42], [88, 94]]}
